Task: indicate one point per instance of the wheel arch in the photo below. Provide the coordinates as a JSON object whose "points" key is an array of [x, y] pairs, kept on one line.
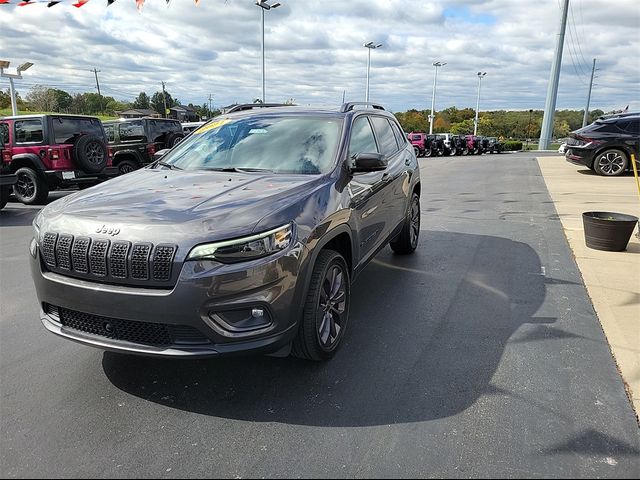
{"points": [[28, 160]]}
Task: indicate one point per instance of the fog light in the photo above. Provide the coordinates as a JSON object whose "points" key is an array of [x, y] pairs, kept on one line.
{"points": [[33, 247], [241, 321]]}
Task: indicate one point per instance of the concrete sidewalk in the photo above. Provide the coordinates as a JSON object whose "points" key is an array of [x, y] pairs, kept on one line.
{"points": [[612, 278]]}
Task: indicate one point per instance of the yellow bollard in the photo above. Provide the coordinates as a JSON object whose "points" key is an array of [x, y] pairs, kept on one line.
{"points": [[635, 172]]}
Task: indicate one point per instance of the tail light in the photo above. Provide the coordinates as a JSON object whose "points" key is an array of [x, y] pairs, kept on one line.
{"points": [[588, 141], [109, 152], [151, 149], [6, 156], [54, 154]]}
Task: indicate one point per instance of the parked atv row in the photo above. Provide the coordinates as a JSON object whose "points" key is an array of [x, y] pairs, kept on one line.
{"points": [[438, 145]]}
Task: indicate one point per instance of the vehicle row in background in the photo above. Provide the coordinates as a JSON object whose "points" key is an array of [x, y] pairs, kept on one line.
{"points": [[426, 145]]}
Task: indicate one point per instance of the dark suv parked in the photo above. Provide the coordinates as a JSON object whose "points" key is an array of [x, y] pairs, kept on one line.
{"points": [[53, 151], [134, 141], [245, 237], [606, 145]]}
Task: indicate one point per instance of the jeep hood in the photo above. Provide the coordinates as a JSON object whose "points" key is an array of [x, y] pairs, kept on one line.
{"points": [[150, 204]]}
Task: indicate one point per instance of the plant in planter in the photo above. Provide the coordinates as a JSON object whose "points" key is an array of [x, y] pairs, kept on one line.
{"points": [[607, 230]]}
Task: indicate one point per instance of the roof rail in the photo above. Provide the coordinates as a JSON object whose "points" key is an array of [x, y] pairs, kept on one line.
{"points": [[251, 106], [348, 106]]}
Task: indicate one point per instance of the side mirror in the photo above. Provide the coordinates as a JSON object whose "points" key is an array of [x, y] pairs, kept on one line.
{"points": [[160, 153], [368, 162]]}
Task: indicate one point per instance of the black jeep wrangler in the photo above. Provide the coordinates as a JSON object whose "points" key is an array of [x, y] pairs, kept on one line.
{"points": [[134, 141]]}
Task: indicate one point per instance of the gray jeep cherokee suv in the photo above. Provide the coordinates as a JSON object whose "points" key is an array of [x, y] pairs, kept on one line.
{"points": [[245, 237]]}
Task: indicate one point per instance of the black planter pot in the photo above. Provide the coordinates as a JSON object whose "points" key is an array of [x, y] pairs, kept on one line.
{"points": [[607, 230]]}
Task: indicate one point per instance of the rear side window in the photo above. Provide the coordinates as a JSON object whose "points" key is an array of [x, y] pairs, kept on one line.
{"points": [[388, 145], [400, 138], [362, 139], [67, 129], [632, 127], [160, 129], [132, 132], [28, 131], [606, 128], [110, 130], [4, 133], [416, 137]]}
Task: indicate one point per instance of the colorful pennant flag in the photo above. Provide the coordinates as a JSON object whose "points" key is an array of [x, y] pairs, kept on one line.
{"points": [[26, 2], [4, 2], [80, 3], [139, 4], [51, 4], [109, 2]]}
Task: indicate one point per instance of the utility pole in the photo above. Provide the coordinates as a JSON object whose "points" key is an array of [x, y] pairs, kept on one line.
{"points": [[552, 91], [164, 98], [95, 71], [210, 98], [586, 110], [11, 76], [529, 128]]}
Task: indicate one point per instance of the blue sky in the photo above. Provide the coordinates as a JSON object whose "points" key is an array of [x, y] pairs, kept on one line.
{"points": [[315, 52]]}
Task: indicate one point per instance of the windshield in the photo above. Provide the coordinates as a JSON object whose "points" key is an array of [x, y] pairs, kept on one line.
{"points": [[292, 144]]}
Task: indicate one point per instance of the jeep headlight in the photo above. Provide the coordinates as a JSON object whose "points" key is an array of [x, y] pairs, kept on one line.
{"points": [[246, 248]]}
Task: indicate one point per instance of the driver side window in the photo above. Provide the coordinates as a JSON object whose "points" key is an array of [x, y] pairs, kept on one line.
{"points": [[362, 139]]}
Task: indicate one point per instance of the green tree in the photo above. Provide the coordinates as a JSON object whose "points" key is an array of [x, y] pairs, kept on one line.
{"points": [[157, 102], [142, 101], [63, 100], [464, 127]]}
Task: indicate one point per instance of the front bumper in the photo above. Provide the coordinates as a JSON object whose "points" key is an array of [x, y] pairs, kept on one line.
{"points": [[205, 296], [8, 180]]}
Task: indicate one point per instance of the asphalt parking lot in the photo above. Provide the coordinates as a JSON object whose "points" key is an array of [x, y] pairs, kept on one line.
{"points": [[479, 356]]}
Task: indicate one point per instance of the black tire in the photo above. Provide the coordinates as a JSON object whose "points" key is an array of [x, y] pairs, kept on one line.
{"points": [[173, 139], [127, 166], [30, 189], [4, 196], [416, 150], [90, 154], [611, 162], [465, 151], [407, 241], [317, 320], [428, 153]]}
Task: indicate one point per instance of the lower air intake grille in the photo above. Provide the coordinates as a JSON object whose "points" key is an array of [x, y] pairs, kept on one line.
{"points": [[144, 333]]}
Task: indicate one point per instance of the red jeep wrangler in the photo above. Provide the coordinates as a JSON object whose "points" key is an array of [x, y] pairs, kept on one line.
{"points": [[419, 142], [46, 152]]}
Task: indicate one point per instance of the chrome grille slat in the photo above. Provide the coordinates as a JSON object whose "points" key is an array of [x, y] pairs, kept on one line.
{"points": [[63, 251], [118, 259], [49, 249], [140, 261], [162, 260], [109, 261], [79, 252], [98, 257]]}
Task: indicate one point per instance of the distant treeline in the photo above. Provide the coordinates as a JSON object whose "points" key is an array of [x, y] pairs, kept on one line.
{"points": [[504, 124]]}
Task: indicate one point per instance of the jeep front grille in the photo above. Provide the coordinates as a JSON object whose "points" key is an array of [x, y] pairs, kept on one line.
{"points": [[108, 261]]}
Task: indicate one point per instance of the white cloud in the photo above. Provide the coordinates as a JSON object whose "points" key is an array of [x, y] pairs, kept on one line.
{"points": [[314, 50]]}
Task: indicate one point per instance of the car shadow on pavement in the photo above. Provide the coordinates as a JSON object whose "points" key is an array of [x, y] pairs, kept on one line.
{"points": [[426, 335], [17, 217]]}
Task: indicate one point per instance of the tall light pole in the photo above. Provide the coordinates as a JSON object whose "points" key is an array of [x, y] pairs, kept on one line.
{"points": [[529, 128], [586, 110], [475, 122], [433, 97], [11, 76], [546, 132], [370, 46], [264, 6]]}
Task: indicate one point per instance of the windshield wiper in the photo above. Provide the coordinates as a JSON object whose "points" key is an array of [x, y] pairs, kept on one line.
{"points": [[238, 169], [169, 166]]}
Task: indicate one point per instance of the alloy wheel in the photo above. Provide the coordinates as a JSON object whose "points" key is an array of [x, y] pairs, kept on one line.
{"points": [[94, 153], [25, 187], [332, 306], [611, 163], [414, 229]]}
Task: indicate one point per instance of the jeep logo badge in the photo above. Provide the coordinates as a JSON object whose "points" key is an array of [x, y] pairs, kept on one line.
{"points": [[108, 230]]}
